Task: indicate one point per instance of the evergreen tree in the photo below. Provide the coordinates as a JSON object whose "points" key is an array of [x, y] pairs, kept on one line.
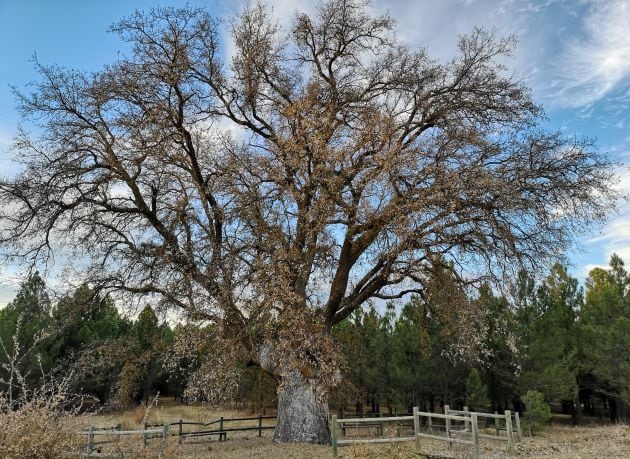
{"points": [[24, 330], [549, 332], [142, 372], [499, 365], [476, 392], [537, 411], [606, 333]]}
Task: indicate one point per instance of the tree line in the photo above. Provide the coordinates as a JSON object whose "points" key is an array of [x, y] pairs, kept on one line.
{"points": [[113, 359], [484, 350], [569, 343]]}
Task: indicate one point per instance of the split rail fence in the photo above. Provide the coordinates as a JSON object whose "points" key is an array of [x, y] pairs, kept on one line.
{"points": [[219, 428], [92, 448], [460, 426]]}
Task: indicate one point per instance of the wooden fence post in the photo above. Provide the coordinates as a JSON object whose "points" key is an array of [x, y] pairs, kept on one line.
{"points": [[508, 426], [475, 435], [89, 444], [430, 425], [416, 427], [517, 420], [333, 435], [179, 434], [144, 435], [260, 425], [165, 433], [496, 424], [448, 425], [466, 423]]}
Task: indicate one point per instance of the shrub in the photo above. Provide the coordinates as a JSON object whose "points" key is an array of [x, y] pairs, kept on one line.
{"points": [[35, 431], [37, 411], [537, 411]]}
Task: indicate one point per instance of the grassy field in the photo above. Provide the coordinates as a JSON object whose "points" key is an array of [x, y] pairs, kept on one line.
{"points": [[558, 441]]}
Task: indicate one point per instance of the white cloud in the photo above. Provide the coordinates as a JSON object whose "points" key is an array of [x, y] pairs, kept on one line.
{"points": [[8, 166], [6, 140], [614, 238], [591, 67], [586, 269], [616, 232], [10, 280]]}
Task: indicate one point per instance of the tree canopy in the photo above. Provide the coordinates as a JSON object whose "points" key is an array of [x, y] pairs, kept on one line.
{"points": [[276, 190]]}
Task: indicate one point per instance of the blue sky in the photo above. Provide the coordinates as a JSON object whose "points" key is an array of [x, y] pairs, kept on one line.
{"points": [[574, 54]]}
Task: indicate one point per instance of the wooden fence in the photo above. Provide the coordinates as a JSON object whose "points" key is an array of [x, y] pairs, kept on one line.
{"points": [[510, 427], [92, 445], [221, 429], [163, 431], [469, 434]]}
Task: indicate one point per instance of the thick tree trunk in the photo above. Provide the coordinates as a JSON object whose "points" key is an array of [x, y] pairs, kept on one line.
{"points": [[302, 411]]}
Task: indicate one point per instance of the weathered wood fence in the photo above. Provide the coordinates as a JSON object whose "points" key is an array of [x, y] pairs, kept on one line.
{"points": [[91, 448], [221, 429], [163, 431], [508, 426], [460, 426]]}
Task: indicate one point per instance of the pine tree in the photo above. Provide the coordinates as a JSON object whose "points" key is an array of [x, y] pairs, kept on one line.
{"points": [[606, 332], [476, 392]]}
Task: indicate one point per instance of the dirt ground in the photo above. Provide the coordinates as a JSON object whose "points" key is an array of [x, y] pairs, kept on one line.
{"points": [[556, 442], [606, 442]]}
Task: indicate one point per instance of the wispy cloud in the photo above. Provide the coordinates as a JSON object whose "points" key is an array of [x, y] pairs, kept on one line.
{"points": [[594, 65], [8, 166], [6, 139], [586, 269]]}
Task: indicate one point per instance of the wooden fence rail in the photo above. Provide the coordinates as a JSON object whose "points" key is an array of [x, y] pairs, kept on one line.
{"points": [[163, 431], [91, 433], [468, 418], [510, 427], [221, 430]]}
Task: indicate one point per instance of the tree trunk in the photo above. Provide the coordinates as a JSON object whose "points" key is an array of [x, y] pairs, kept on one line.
{"points": [[302, 411], [612, 405], [577, 410]]}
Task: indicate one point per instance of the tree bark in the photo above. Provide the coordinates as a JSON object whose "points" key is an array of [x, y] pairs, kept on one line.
{"points": [[302, 411]]}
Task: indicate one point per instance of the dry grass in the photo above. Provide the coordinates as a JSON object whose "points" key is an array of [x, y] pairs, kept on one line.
{"points": [[35, 432], [558, 442], [578, 443], [562, 442], [166, 411]]}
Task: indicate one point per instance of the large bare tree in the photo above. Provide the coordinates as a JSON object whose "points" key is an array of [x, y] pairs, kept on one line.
{"points": [[276, 191]]}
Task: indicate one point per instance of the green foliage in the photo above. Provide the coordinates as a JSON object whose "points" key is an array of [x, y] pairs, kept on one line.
{"points": [[499, 365], [548, 330], [89, 335], [605, 329], [476, 392], [552, 338], [365, 339], [537, 413], [24, 331], [401, 360], [142, 371]]}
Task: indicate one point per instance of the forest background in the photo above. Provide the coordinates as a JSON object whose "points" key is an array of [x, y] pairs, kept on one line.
{"points": [[555, 337]]}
